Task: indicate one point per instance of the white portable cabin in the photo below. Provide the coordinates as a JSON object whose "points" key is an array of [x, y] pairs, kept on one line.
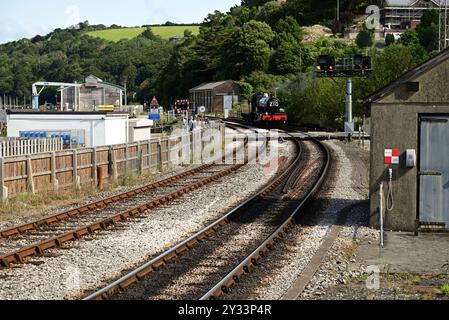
{"points": [[88, 129]]}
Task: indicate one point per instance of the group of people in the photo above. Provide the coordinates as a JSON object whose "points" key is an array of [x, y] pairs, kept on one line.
{"points": [[190, 123]]}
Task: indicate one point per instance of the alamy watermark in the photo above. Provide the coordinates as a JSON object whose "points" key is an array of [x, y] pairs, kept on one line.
{"points": [[372, 22], [72, 276], [212, 146], [373, 280]]}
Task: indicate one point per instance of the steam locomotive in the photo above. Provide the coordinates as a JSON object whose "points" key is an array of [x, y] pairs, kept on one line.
{"points": [[266, 111]]}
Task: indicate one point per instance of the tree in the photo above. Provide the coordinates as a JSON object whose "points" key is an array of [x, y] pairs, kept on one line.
{"points": [[263, 82], [409, 37], [364, 39], [287, 58], [270, 13], [246, 89], [254, 3], [428, 30], [187, 33], [289, 28], [389, 39], [429, 18], [149, 34], [248, 49]]}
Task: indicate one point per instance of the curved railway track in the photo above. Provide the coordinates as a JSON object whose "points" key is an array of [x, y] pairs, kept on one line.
{"points": [[19, 243], [209, 263]]}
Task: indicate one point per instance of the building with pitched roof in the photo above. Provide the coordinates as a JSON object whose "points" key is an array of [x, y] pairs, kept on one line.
{"points": [[93, 95], [410, 122], [215, 96], [404, 14]]}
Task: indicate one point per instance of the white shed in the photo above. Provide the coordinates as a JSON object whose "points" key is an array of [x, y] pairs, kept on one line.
{"points": [[88, 129], [140, 129]]}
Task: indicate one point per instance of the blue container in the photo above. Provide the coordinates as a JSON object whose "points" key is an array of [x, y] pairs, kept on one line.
{"points": [[154, 117]]}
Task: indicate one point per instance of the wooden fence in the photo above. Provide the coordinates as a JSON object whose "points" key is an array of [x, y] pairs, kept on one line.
{"points": [[76, 168], [21, 147]]}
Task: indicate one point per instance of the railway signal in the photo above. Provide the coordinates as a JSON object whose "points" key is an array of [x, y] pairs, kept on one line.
{"points": [[349, 67], [326, 64], [356, 66]]}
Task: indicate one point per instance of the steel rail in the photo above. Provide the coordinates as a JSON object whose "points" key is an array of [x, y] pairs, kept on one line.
{"points": [[245, 266], [167, 256], [17, 230], [19, 255], [34, 225]]}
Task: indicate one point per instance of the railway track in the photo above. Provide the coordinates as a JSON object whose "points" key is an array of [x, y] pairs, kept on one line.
{"points": [[209, 263], [19, 243]]}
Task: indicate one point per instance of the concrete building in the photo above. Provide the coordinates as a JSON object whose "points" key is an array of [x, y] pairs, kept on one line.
{"points": [[404, 14], [93, 95], [215, 96], [410, 119], [85, 129]]}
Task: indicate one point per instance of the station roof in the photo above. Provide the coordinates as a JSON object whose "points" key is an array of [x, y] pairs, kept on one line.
{"points": [[408, 76], [37, 112], [209, 86]]}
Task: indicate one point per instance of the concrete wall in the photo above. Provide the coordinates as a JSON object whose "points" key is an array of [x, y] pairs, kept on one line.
{"points": [[433, 88], [396, 126]]}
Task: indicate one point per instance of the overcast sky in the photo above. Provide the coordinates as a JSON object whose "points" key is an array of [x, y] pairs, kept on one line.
{"points": [[27, 18]]}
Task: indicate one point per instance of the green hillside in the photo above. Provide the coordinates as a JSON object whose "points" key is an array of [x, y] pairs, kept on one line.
{"points": [[164, 32]]}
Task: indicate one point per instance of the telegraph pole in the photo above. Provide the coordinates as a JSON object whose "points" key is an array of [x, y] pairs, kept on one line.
{"points": [[338, 10], [443, 25]]}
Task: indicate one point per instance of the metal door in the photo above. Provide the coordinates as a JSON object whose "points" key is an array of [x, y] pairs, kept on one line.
{"points": [[434, 170]]}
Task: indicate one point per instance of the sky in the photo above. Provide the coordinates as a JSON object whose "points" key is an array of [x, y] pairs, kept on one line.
{"points": [[27, 18]]}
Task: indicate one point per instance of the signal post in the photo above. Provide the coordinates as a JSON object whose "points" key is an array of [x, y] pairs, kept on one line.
{"points": [[357, 66]]}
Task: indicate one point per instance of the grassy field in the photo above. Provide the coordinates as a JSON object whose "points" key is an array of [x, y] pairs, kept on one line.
{"points": [[130, 33]]}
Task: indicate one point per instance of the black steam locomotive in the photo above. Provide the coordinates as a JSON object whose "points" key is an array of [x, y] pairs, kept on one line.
{"points": [[266, 111]]}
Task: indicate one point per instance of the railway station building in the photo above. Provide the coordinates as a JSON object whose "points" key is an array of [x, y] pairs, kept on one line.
{"points": [[410, 137], [215, 96]]}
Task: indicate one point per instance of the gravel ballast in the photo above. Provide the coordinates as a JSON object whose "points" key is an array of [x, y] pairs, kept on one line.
{"points": [[276, 274], [94, 261]]}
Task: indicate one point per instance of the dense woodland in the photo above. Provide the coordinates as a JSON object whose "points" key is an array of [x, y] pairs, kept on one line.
{"points": [[258, 44]]}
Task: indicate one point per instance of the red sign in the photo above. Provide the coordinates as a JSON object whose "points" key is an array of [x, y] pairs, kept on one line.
{"points": [[391, 156], [154, 102]]}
